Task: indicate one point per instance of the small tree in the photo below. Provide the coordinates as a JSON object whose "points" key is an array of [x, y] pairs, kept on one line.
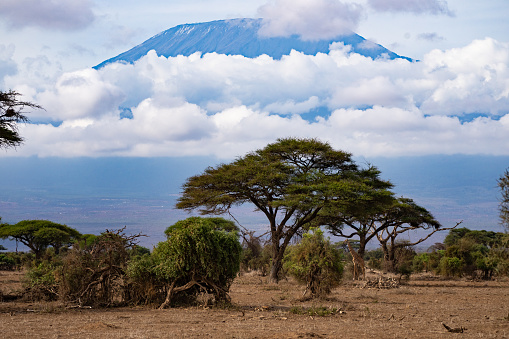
{"points": [[197, 257], [503, 184], [400, 218], [12, 112], [39, 234], [315, 262]]}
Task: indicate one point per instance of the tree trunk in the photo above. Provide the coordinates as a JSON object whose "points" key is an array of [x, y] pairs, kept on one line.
{"points": [[278, 251], [274, 271], [362, 245], [277, 264], [388, 263], [392, 256]]}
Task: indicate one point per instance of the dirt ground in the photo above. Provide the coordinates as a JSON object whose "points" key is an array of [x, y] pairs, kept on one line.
{"points": [[260, 309]]}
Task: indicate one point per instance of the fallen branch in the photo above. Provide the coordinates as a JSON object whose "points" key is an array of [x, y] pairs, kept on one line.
{"points": [[454, 330]]}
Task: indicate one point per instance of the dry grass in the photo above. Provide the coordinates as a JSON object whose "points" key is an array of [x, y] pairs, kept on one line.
{"points": [[264, 310]]}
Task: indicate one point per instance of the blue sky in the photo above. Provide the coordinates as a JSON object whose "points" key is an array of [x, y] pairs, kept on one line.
{"points": [[455, 100]]}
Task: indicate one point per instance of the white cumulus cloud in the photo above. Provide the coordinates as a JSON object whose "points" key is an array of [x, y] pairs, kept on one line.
{"points": [[312, 20]]}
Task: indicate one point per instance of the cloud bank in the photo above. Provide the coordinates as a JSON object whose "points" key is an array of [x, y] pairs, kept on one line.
{"points": [[7, 64], [54, 14], [454, 101], [433, 7], [312, 20], [325, 19]]}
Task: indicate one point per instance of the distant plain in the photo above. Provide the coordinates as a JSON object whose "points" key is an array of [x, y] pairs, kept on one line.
{"points": [[94, 194]]}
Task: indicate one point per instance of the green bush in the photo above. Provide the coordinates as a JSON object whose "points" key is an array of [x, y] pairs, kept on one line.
{"points": [[421, 262], [198, 257], [145, 286], [41, 281], [314, 262], [7, 263], [451, 266]]}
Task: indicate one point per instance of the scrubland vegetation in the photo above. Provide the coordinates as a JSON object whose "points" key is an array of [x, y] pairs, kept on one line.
{"points": [[306, 190], [202, 257]]}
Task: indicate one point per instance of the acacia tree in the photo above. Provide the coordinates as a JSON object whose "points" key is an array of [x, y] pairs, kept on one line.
{"points": [[12, 112], [39, 234], [404, 216], [289, 181], [359, 215], [503, 184]]}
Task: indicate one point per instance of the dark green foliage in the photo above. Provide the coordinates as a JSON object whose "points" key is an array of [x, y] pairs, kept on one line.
{"points": [[403, 216], [482, 237], [474, 253], [421, 262], [145, 286], [138, 251], [451, 266], [315, 262], [12, 112], [197, 258], [214, 223], [39, 234], [87, 239], [21, 259], [7, 263]]}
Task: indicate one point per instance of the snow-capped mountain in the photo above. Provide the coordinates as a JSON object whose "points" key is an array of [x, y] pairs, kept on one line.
{"points": [[240, 37]]}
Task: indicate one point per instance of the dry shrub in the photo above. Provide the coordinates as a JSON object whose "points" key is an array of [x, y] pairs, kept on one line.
{"points": [[96, 274], [315, 262]]}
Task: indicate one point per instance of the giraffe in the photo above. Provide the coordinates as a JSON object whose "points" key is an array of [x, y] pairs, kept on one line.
{"points": [[357, 261]]}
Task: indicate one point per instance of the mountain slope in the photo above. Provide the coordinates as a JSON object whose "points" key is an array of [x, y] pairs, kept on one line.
{"points": [[240, 37]]}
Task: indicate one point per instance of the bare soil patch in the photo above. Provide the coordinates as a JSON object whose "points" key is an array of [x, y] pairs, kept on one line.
{"points": [[260, 309]]}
